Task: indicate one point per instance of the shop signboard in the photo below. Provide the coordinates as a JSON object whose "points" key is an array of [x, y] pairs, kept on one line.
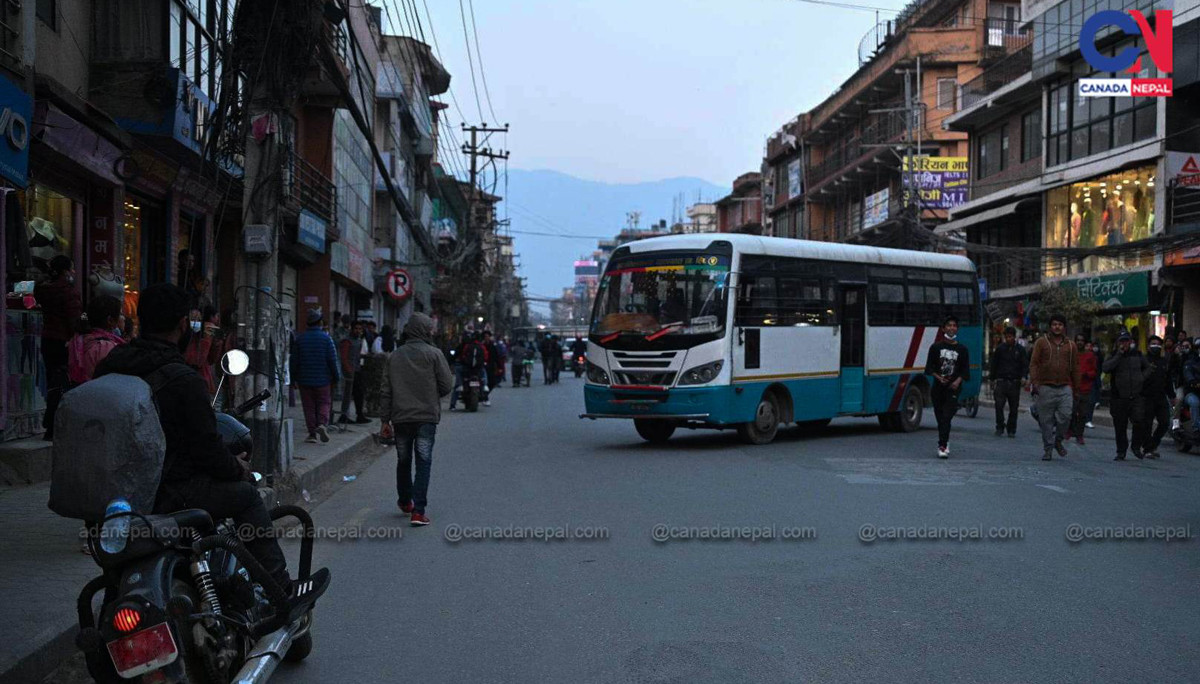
{"points": [[794, 188], [1113, 290], [339, 259], [16, 109], [875, 208], [941, 181], [312, 231], [1183, 169]]}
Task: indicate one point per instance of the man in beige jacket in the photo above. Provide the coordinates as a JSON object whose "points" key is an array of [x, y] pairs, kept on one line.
{"points": [[417, 379]]}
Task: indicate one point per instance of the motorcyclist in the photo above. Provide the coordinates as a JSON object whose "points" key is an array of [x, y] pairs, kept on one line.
{"points": [[578, 348], [470, 359], [198, 471], [1191, 380]]}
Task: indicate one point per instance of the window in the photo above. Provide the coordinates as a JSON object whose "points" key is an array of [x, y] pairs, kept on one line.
{"points": [[1003, 156], [947, 89], [47, 13], [195, 45], [1031, 135], [1108, 210], [921, 297]]}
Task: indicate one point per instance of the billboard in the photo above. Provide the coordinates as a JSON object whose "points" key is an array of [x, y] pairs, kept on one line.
{"points": [[941, 181], [875, 208]]}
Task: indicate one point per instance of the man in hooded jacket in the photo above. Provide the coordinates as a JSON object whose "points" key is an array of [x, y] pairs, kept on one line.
{"points": [[417, 379]]}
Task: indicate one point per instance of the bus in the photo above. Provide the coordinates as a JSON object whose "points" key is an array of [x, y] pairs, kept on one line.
{"points": [[747, 332]]}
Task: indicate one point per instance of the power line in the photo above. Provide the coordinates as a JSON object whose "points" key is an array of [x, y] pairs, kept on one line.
{"points": [[470, 62], [479, 57]]}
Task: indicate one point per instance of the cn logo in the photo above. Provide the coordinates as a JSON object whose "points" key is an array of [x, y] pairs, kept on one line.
{"points": [[15, 128], [1159, 41]]}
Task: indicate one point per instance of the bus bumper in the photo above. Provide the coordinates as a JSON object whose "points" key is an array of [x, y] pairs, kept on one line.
{"points": [[710, 405]]}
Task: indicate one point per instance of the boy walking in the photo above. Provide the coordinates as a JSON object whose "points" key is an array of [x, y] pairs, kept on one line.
{"points": [[949, 364], [1010, 365]]}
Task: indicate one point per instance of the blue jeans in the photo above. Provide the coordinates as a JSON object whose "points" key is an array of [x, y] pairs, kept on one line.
{"points": [[1193, 403], [414, 438]]}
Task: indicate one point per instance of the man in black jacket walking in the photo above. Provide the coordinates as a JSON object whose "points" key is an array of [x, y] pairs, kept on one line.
{"points": [[950, 366], [198, 471], [1129, 370], [1009, 367], [1158, 391]]}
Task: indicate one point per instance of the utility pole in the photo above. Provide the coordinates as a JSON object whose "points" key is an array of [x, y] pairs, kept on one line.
{"points": [[475, 152]]}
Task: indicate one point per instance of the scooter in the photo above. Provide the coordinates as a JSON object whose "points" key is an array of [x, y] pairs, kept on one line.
{"points": [[184, 601]]}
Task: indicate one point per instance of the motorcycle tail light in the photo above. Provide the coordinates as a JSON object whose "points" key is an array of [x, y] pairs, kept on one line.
{"points": [[126, 620], [144, 651]]}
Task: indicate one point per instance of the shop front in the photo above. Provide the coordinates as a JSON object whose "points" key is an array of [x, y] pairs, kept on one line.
{"points": [[1113, 209], [1127, 302]]}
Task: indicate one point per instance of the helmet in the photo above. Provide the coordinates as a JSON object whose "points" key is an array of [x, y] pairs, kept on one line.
{"points": [[234, 434]]}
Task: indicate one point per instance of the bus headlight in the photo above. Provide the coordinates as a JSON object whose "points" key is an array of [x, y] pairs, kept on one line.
{"points": [[701, 374], [596, 374]]}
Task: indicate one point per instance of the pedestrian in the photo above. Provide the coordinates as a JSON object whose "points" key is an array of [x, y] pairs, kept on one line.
{"points": [[1158, 392], [1191, 384], [1009, 368], [1088, 370], [417, 379], [1097, 386], [949, 364], [1178, 359], [517, 352], [86, 350], [1129, 370], [204, 348], [1054, 378], [315, 369], [351, 351], [61, 308], [556, 352], [544, 347], [387, 340], [495, 366]]}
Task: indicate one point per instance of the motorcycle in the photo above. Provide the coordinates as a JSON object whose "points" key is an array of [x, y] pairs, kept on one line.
{"points": [[472, 391], [577, 366], [184, 602], [1185, 436]]}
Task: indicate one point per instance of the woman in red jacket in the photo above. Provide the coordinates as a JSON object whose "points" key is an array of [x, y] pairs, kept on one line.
{"points": [[1089, 370]]}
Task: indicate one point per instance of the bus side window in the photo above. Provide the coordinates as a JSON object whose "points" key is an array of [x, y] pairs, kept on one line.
{"points": [[757, 302]]}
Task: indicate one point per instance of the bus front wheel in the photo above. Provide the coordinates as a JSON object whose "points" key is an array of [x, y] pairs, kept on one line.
{"points": [[762, 429], [654, 431]]}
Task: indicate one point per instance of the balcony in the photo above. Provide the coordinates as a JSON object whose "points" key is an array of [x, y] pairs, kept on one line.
{"points": [[999, 75], [305, 187], [1004, 36], [888, 128], [1010, 270], [319, 88]]}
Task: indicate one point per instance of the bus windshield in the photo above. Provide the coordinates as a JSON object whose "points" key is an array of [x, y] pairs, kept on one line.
{"points": [[662, 294]]}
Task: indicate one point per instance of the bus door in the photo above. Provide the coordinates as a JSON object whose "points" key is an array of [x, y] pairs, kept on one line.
{"points": [[852, 307]]}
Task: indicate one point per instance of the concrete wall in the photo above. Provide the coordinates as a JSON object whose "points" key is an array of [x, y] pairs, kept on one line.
{"points": [[63, 54]]}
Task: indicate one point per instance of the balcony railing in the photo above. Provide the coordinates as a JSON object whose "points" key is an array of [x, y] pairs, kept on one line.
{"points": [[884, 130], [1004, 36], [313, 190], [999, 75], [1010, 270]]}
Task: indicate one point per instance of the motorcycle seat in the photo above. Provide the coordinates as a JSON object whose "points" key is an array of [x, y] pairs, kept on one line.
{"points": [[191, 518]]}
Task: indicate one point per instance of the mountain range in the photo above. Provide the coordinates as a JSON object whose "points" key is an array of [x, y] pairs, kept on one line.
{"points": [[557, 218]]}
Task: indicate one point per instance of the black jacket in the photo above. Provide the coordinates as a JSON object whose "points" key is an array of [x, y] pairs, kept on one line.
{"points": [[951, 361], [194, 446], [1158, 381], [1009, 362], [1129, 372]]}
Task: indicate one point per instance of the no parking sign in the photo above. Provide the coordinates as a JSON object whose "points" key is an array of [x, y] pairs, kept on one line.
{"points": [[399, 284]]}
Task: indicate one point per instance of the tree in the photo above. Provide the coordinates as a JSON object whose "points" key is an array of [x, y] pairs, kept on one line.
{"points": [[1055, 299]]}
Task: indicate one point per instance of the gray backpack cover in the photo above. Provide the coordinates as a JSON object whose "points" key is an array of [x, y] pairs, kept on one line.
{"points": [[108, 443]]}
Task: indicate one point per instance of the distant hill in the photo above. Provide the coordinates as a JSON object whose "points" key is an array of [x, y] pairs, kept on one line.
{"points": [[552, 202]]}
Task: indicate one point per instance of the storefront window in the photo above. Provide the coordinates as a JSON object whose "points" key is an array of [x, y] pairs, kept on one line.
{"points": [[1109, 210], [49, 219], [133, 257]]}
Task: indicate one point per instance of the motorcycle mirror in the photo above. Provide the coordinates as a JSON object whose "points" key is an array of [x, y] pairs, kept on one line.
{"points": [[235, 362], [257, 477]]}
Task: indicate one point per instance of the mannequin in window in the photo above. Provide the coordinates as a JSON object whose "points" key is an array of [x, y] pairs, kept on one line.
{"points": [[1088, 221], [1112, 222], [1076, 224]]}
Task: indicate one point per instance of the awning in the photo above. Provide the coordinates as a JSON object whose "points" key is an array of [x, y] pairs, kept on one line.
{"points": [[983, 216]]}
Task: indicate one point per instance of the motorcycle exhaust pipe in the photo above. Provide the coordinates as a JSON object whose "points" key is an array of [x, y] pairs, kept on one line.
{"points": [[266, 655]]}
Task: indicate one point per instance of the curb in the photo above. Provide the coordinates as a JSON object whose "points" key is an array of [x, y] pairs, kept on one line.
{"points": [[315, 477]]}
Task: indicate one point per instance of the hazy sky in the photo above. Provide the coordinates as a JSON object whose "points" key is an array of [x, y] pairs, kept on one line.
{"points": [[635, 90]]}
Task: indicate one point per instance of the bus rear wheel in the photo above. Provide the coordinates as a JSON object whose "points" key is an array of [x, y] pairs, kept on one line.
{"points": [[908, 418], [654, 431], [765, 425]]}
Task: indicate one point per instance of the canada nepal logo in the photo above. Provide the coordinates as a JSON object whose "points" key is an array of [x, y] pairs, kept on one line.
{"points": [[1159, 43]]}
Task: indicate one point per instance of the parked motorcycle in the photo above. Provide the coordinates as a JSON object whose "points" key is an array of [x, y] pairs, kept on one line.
{"points": [[184, 601], [1185, 436]]}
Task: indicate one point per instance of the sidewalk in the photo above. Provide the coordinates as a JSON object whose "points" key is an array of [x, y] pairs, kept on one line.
{"points": [[44, 568]]}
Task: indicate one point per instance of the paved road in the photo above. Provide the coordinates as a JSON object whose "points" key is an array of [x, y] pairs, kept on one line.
{"points": [[628, 609], [631, 610]]}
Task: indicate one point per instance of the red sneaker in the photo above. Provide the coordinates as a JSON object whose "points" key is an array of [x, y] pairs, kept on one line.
{"points": [[419, 519], [406, 508]]}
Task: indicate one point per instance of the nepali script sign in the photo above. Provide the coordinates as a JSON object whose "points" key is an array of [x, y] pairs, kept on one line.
{"points": [[1116, 291], [942, 181]]}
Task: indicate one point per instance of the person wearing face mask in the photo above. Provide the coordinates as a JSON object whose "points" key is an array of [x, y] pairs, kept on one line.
{"points": [[203, 347], [1177, 359], [949, 364], [61, 308], [1089, 368], [1157, 391], [1129, 371]]}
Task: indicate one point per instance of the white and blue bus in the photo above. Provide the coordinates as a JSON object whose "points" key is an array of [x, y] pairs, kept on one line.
{"points": [[746, 332]]}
